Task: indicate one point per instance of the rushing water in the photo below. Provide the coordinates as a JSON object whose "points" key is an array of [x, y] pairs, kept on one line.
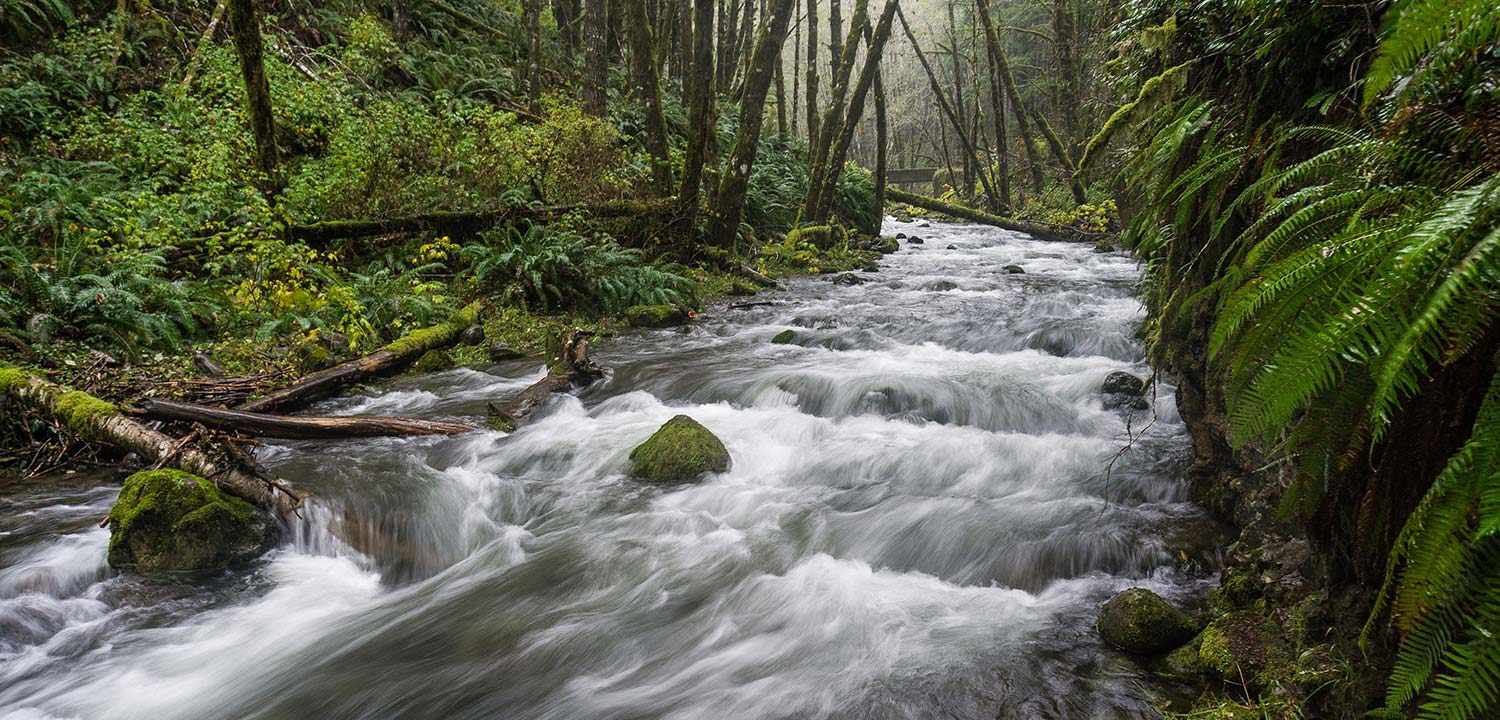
{"points": [[928, 502]]}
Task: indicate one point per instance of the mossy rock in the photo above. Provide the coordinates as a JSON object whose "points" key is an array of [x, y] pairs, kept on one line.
{"points": [[1140, 621], [680, 451], [655, 316], [433, 361], [1182, 663], [887, 245], [312, 356], [171, 521], [1244, 645], [1015, 269], [785, 337]]}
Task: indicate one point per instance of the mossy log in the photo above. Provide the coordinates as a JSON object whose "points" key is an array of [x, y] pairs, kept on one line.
{"points": [[322, 232], [280, 426], [98, 421], [390, 358], [1040, 232], [572, 368]]}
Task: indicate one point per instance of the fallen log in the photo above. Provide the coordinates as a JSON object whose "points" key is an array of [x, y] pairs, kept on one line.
{"points": [[1040, 232], [573, 369], [761, 279], [98, 421], [326, 230], [390, 358], [298, 428]]}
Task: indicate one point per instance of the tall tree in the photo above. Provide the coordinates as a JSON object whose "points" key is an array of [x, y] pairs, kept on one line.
{"points": [[828, 127], [244, 23], [566, 13], [534, 55], [729, 201], [700, 84], [812, 71], [1002, 147], [1064, 39], [835, 32], [796, 62], [1002, 64], [648, 88], [595, 56]]}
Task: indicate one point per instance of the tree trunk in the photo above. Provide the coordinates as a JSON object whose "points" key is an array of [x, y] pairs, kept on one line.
{"points": [[572, 369], [881, 132], [97, 421], [648, 85], [244, 22], [392, 357], [1002, 144], [970, 158], [700, 108], [401, 20], [780, 99], [835, 33], [1009, 83], [299, 428], [833, 159], [843, 69], [1064, 37], [812, 72], [566, 12], [534, 55], [595, 57], [729, 201]]}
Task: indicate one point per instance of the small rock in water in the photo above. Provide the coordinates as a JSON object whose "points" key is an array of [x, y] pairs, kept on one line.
{"points": [[655, 316], [1015, 269], [900, 236], [847, 279], [1140, 621], [1103, 246], [924, 223], [785, 337], [472, 335], [952, 247], [682, 450], [1120, 382], [943, 286], [172, 521], [887, 245], [914, 240]]}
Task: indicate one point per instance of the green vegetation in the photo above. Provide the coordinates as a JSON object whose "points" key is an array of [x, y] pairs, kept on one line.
{"points": [[680, 451], [171, 521], [1140, 621]]}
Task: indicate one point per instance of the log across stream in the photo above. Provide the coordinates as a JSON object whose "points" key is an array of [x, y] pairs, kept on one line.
{"points": [[928, 502]]}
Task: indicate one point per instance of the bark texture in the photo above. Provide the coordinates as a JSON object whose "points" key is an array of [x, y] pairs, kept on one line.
{"points": [[244, 23], [300, 427]]}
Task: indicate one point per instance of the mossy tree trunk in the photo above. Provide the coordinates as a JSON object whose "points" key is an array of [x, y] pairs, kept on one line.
{"points": [[882, 132], [1008, 84], [534, 55], [700, 86], [729, 200], [828, 127], [812, 71], [1002, 144], [595, 56], [244, 24], [648, 87]]}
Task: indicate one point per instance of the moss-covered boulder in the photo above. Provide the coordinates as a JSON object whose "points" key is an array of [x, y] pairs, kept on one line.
{"points": [[785, 337], [682, 450], [655, 316], [1015, 269], [1140, 621], [1182, 663], [886, 245], [1245, 647], [433, 361], [171, 521]]}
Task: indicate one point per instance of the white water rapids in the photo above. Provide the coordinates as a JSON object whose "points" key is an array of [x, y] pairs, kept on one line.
{"points": [[928, 502]]}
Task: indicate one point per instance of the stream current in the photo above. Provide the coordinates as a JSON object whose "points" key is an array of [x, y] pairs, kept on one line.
{"points": [[928, 502]]}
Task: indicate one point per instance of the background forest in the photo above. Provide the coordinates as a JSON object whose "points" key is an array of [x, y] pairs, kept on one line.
{"points": [[1314, 190]]}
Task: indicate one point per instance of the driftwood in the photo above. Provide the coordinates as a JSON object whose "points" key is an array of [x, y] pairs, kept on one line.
{"points": [[1040, 232], [758, 278], [573, 369], [281, 426], [470, 221], [98, 421], [390, 358]]}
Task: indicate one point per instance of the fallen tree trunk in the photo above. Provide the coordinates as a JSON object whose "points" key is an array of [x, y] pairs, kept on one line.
{"points": [[298, 428], [390, 358], [572, 369], [98, 421], [1040, 232], [327, 230]]}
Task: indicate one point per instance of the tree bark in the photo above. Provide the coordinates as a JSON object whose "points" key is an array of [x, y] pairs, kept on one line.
{"points": [[843, 69], [1009, 83], [729, 201], [812, 72], [534, 56], [244, 23], [97, 421], [780, 99], [595, 57], [796, 62], [881, 139], [971, 159], [1064, 36], [648, 85], [401, 20], [392, 357], [566, 13], [836, 32], [700, 108], [298, 428], [572, 369], [1002, 145], [833, 159]]}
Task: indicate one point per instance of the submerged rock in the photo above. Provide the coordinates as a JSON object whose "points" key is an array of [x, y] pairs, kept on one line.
{"points": [[847, 279], [1244, 647], [1015, 269], [943, 286], [785, 337], [655, 316], [900, 236], [172, 521], [1140, 621], [914, 240], [1120, 382], [682, 450], [952, 247]]}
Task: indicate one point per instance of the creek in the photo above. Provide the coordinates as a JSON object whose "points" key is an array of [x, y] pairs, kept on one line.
{"points": [[928, 502]]}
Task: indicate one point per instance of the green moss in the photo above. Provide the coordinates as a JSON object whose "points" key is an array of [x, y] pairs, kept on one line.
{"points": [[887, 245], [654, 316], [172, 521], [785, 337], [1140, 621], [1184, 662], [12, 378], [680, 451], [79, 410], [819, 236], [433, 361], [429, 338], [1245, 645]]}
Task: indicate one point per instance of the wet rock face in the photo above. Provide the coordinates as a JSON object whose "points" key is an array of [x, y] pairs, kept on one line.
{"points": [[681, 451], [655, 316], [171, 521], [785, 337], [1140, 621]]}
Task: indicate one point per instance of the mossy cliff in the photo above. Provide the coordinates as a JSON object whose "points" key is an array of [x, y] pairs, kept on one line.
{"points": [[682, 450], [172, 521]]}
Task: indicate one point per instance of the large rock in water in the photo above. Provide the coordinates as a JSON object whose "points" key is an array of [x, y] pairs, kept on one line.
{"points": [[1140, 621], [655, 316], [681, 451], [172, 521]]}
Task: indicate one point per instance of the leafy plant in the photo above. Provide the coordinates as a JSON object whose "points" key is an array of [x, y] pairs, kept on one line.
{"points": [[558, 268]]}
